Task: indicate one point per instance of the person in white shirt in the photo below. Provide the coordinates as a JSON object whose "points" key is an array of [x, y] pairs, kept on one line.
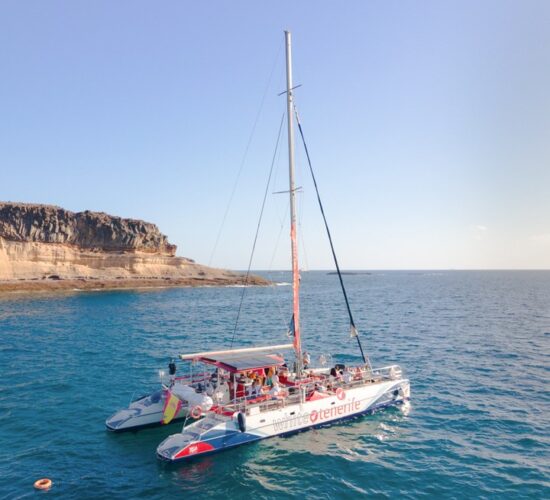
{"points": [[275, 391], [255, 390], [348, 376], [259, 387], [209, 388], [222, 394], [250, 390], [306, 360]]}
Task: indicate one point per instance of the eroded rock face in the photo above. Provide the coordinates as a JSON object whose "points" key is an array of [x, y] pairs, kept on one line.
{"points": [[43, 247], [30, 260], [24, 222]]}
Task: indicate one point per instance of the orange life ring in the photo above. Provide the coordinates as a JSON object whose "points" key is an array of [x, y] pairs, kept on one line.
{"points": [[43, 484], [340, 393], [196, 412]]}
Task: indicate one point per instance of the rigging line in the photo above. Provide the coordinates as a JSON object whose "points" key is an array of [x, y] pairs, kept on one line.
{"points": [[258, 228], [305, 267], [301, 237], [282, 222], [354, 331], [243, 161], [282, 314], [301, 174]]}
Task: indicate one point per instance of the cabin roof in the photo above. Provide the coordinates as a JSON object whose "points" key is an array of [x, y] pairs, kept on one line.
{"points": [[243, 362]]}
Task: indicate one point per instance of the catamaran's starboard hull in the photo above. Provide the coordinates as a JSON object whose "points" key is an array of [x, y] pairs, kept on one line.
{"points": [[218, 432]]}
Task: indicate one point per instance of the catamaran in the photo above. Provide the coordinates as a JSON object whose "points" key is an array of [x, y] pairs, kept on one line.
{"points": [[299, 397]]}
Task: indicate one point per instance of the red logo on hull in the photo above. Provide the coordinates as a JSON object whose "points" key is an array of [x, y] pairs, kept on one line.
{"points": [[335, 412], [194, 449]]}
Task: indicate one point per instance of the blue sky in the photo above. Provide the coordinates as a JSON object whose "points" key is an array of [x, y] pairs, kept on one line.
{"points": [[428, 123]]}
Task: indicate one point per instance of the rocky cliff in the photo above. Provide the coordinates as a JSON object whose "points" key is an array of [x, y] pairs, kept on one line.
{"points": [[43, 246], [86, 230]]}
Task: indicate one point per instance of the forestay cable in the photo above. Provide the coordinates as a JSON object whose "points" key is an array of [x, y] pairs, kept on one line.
{"points": [[258, 228], [354, 332], [243, 161]]}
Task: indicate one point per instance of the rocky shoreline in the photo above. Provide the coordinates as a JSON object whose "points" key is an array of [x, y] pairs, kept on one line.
{"points": [[123, 284], [46, 248]]}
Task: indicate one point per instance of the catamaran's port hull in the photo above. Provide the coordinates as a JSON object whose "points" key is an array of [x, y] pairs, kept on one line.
{"points": [[140, 427], [136, 418], [238, 438]]}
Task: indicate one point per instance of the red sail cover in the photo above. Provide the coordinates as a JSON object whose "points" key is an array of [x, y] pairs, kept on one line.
{"points": [[295, 290]]}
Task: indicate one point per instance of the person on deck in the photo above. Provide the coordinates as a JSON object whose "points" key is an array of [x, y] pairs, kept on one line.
{"points": [[347, 376], [250, 390], [272, 377], [254, 390], [335, 375], [257, 388], [306, 360], [222, 395], [209, 388], [268, 374], [275, 391]]}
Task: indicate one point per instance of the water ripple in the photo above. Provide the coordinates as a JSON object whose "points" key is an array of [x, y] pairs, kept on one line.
{"points": [[475, 345]]}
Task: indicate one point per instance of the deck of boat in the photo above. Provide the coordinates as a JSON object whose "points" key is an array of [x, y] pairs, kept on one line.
{"points": [[317, 385]]}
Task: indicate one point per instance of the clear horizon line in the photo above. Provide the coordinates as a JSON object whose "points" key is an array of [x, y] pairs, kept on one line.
{"points": [[401, 269]]}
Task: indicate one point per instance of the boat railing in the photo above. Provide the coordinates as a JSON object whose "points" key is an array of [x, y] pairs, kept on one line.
{"points": [[358, 376], [391, 372], [192, 379], [264, 402], [292, 394]]}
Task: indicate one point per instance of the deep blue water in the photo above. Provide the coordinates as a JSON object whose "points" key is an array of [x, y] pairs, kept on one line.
{"points": [[476, 346]]}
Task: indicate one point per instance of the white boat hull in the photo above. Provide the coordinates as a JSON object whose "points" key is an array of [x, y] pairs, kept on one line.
{"points": [[145, 412], [218, 432]]}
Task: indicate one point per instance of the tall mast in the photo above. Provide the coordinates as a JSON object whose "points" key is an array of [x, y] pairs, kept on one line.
{"points": [[293, 236]]}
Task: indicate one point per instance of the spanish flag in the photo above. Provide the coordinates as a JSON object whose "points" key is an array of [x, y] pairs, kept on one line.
{"points": [[172, 406]]}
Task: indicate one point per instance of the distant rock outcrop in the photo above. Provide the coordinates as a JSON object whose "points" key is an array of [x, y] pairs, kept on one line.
{"points": [[43, 246]]}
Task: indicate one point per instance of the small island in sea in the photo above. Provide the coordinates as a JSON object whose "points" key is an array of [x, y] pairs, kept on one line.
{"points": [[349, 273], [44, 247]]}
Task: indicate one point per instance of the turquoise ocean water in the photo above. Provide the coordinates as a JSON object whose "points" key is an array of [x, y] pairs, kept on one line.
{"points": [[476, 346]]}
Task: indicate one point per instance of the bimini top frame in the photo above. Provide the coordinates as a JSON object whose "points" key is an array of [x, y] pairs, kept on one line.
{"points": [[236, 363], [240, 360], [208, 354]]}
